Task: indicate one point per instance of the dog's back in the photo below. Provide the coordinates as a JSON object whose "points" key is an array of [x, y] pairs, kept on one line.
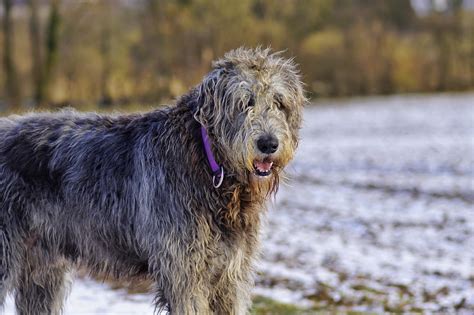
{"points": [[68, 191]]}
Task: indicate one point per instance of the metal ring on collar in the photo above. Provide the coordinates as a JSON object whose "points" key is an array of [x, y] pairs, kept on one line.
{"points": [[221, 178]]}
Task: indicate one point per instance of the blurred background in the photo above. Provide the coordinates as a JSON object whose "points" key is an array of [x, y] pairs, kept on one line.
{"points": [[378, 214], [115, 52]]}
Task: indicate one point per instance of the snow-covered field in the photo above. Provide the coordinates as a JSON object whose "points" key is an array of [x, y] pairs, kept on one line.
{"points": [[378, 214], [380, 211]]}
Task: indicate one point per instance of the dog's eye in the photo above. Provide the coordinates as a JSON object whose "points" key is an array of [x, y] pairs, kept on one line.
{"points": [[279, 102], [280, 106], [251, 102]]}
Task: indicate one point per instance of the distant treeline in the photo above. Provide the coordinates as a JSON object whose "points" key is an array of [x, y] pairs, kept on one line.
{"points": [[144, 51]]}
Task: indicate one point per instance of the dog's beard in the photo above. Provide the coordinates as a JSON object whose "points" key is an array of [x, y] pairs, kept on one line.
{"points": [[263, 174], [262, 187]]}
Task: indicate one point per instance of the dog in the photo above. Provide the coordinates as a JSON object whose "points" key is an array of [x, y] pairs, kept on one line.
{"points": [[175, 195]]}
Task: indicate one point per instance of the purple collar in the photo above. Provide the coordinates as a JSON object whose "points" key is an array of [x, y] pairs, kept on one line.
{"points": [[217, 170]]}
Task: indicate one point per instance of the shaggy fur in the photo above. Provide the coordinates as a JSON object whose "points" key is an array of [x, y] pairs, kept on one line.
{"points": [[132, 196]]}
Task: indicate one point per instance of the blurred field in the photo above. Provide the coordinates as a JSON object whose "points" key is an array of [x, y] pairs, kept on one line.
{"points": [[112, 52], [378, 215]]}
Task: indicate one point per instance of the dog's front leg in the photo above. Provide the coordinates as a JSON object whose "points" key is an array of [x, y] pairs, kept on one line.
{"points": [[181, 285], [183, 298], [232, 297], [195, 305], [231, 293]]}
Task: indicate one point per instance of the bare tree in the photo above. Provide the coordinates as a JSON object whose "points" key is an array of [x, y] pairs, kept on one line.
{"points": [[105, 53], [52, 45], [37, 66], [12, 90]]}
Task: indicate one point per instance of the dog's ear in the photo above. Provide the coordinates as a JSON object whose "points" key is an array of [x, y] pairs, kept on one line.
{"points": [[204, 95]]}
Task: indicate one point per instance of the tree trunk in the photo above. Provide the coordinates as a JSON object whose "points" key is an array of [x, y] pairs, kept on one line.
{"points": [[12, 91], [105, 53], [37, 71], [472, 58], [52, 45]]}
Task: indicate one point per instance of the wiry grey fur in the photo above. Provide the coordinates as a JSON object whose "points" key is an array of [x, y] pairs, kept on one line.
{"points": [[132, 196]]}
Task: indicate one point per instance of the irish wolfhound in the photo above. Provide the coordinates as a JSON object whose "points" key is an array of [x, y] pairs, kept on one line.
{"points": [[174, 195]]}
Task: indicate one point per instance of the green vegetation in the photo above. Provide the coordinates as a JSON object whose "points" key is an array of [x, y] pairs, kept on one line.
{"points": [[115, 52], [265, 306]]}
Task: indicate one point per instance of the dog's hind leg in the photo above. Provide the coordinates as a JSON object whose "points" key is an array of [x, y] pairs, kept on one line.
{"points": [[41, 289], [4, 270]]}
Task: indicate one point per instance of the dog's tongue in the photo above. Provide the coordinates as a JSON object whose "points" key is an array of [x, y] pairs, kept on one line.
{"points": [[263, 166]]}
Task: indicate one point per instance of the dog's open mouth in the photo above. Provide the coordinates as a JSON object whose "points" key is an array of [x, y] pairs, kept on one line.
{"points": [[263, 168]]}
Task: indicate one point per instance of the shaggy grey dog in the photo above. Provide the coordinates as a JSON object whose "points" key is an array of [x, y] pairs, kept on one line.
{"points": [[138, 195]]}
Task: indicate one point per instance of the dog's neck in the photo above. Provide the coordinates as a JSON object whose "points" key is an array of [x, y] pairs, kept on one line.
{"points": [[237, 204]]}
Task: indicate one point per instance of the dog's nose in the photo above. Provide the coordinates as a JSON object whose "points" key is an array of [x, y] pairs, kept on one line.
{"points": [[267, 144]]}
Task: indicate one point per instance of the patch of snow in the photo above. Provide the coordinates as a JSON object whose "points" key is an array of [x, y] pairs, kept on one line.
{"points": [[93, 298]]}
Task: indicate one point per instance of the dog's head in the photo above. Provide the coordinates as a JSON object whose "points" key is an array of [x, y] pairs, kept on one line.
{"points": [[251, 104]]}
